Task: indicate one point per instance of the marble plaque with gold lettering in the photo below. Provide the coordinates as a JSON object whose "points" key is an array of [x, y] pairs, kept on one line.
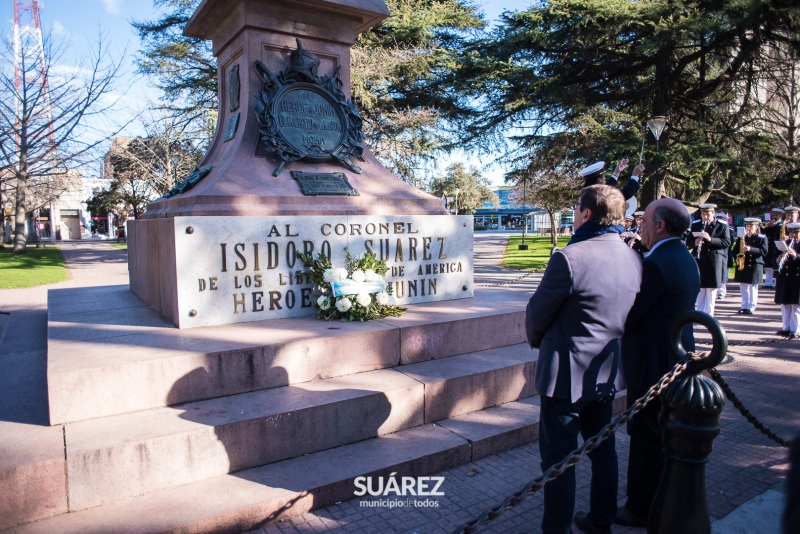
{"points": [[245, 268]]}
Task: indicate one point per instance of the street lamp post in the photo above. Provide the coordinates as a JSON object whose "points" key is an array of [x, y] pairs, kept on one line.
{"points": [[457, 192], [523, 246], [657, 125]]}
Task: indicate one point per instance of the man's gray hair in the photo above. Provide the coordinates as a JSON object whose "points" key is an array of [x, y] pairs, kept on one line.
{"points": [[676, 221]]}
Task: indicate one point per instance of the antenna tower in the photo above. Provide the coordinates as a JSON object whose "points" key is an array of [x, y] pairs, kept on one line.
{"points": [[30, 69]]}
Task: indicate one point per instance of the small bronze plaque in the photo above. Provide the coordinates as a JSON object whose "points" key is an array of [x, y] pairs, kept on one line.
{"points": [[230, 127], [324, 183], [310, 120]]}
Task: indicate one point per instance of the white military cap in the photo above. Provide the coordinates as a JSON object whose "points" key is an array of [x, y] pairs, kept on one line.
{"points": [[777, 210], [708, 207], [752, 220], [793, 226], [638, 214], [629, 217], [721, 215], [593, 168], [791, 208]]}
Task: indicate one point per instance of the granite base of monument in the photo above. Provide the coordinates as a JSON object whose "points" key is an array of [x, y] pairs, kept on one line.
{"points": [[201, 271]]}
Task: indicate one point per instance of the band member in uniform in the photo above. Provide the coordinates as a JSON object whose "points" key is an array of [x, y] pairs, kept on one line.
{"points": [[723, 289], [709, 247], [593, 174], [628, 222], [633, 238], [787, 290], [749, 252], [773, 231]]}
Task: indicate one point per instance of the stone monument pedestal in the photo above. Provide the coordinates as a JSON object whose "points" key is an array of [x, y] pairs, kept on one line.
{"points": [[286, 173]]}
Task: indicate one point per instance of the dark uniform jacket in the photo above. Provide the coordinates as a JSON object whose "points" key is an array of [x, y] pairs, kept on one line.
{"points": [[787, 288], [670, 283], [713, 255], [753, 272], [772, 233], [630, 189]]}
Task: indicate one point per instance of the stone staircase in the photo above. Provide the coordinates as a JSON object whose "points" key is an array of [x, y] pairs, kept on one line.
{"points": [[221, 429]]}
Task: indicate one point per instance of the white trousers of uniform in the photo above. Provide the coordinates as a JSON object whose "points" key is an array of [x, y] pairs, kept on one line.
{"points": [[706, 300], [749, 296], [790, 313], [770, 281]]}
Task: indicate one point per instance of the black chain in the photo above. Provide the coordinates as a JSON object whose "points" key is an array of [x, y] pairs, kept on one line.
{"points": [[749, 343], [744, 411], [576, 455], [526, 275]]}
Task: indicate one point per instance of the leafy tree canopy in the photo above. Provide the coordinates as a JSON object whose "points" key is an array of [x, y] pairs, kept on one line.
{"points": [[468, 188], [598, 69]]}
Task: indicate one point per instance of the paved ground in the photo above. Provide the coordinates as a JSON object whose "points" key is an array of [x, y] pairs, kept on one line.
{"points": [[744, 467]]}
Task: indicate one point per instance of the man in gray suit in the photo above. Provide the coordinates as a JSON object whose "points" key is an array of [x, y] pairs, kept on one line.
{"points": [[670, 284], [576, 319]]}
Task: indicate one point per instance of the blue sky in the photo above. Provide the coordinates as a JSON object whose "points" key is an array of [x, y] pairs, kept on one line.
{"points": [[79, 22]]}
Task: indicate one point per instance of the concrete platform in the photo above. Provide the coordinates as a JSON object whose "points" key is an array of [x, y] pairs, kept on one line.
{"points": [[128, 358]]}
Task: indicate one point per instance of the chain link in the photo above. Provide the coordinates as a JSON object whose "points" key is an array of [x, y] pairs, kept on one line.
{"points": [[744, 411], [526, 275], [576, 455], [748, 343]]}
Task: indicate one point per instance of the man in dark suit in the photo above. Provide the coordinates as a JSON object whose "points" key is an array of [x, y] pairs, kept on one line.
{"points": [[576, 319], [709, 242], [670, 283]]}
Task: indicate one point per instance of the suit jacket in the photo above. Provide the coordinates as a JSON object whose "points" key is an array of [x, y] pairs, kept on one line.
{"points": [[577, 315], [713, 259], [670, 284]]}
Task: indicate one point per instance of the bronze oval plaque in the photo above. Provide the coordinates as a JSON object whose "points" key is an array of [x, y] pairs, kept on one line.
{"points": [[310, 120]]}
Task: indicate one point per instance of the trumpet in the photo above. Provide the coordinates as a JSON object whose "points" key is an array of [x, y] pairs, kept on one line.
{"points": [[785, 255], [703, 229]]}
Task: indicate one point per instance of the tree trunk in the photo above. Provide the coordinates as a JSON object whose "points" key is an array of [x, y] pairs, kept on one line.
{"points": [[20, 228], [553, 228]]}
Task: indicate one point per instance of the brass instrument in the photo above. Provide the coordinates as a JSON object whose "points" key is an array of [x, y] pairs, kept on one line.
{"points": [[633, 239], [703, 229], [740, 256], [782, 236], [785, 255]]}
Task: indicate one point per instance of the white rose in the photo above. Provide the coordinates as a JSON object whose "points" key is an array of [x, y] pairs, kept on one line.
{"points": [[364, 299], [382, 298], [343, 304], [358, 276], [329, 275], [371, 276], [323, 303], [341, 274]]}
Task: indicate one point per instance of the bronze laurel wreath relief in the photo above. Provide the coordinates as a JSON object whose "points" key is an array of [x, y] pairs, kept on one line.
{"points": [[303, 116]]}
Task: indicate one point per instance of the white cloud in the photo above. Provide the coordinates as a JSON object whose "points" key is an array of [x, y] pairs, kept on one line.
{"points": [[112, 6], [59, 29]]}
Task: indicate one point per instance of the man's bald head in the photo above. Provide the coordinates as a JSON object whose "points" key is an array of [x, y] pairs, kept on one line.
{"points": [[673, 213], [663, 219]]}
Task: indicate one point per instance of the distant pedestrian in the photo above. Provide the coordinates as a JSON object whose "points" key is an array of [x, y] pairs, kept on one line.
{"points": [[774, 231], [576, 318], [670, 284]]}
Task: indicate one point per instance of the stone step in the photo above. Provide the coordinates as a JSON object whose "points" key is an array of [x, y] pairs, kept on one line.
{"points": [[133, 454], [128, 358], [267, 494]]}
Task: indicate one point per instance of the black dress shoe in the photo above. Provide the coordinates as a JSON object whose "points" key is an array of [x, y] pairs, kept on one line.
{"points": [[790, 335], [783, 333], [628, 518], [740, 312], [747, 312], [583, 523]]}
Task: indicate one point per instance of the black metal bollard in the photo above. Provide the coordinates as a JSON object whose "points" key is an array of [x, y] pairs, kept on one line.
{"points": [[689, 420]]}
